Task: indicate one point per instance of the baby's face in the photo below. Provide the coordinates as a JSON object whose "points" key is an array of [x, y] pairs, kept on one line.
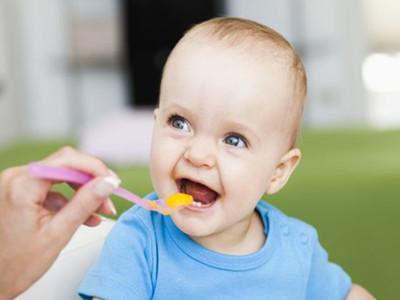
{"points": [[217, 135]]}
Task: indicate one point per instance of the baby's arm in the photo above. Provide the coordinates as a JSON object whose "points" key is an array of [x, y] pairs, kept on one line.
{"points": [[359, 293]]}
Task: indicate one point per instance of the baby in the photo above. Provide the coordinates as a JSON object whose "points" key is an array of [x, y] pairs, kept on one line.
{"points": [[225, 131]]}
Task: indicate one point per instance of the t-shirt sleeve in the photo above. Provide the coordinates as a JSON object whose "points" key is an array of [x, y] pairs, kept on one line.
{"points": [[123, 270], [326, 279]]}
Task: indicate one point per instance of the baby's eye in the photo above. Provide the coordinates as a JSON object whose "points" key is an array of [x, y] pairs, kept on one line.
{"points": [[236, 140], [179, 122]]}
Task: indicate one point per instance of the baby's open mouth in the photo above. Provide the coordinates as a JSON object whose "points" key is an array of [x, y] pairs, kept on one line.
{"points": [[202, 195]]}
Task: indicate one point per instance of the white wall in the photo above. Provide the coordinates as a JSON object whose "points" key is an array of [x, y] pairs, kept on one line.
{"points": [[54, 97], [276, 14], [382, 24], [42, 54], [381, 68], [100, 92], [8, 124], [97, 85], [336, 48]]}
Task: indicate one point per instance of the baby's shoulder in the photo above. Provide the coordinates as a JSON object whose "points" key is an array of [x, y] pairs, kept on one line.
{"points": [[298, 240], [292, 232], [288, 225]]}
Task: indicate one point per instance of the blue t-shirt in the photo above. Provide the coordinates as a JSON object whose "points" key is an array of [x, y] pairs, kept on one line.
{"points": [[147, 257]]}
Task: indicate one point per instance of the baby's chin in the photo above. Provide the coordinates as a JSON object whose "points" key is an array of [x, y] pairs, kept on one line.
{"points": [[192, 227]]}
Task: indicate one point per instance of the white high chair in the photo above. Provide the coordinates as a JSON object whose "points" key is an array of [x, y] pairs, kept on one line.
{"points": [[62, 280]]}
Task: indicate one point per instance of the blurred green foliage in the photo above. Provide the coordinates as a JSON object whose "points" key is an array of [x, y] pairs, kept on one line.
{"points": [[347, 186]]}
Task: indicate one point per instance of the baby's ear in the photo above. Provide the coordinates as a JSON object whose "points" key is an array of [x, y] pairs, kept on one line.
{"points": [[283, 170]]}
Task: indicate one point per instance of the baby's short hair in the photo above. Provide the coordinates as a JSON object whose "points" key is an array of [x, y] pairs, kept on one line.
{"points": [[237, 32]]}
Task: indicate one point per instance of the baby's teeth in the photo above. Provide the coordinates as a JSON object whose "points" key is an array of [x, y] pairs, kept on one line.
{"points": [[197, 204]]}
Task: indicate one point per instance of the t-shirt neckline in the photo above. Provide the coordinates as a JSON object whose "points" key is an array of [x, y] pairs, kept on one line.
{"points": [[224, 261]]}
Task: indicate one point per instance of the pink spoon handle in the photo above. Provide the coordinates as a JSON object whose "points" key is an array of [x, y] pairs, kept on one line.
{"points": [[58, 173], [127, 195], [70, 175]]}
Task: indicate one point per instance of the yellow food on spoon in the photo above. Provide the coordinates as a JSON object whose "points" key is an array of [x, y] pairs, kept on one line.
{"points": [[179, 199]]}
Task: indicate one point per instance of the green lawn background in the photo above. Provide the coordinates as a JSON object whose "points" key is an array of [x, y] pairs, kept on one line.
{"points": [[347, 186]]}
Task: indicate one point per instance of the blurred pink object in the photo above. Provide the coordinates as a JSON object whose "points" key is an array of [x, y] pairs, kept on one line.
{"points": [[119, 138]]}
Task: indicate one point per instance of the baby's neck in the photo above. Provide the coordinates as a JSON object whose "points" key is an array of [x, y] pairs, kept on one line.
{"points": [[243, 238]]}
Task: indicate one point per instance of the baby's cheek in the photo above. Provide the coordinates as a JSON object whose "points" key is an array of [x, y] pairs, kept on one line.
{"points": [[158, 170], [251, 185]]}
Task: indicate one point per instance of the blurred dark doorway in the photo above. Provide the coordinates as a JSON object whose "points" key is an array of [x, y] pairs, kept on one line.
{"points": [[150, 30]]}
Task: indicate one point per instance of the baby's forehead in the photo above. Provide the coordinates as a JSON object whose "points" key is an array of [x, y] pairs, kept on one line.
{"points": [[259, 51], [242, 67], [232, 68], [229, 72], [237, 86], [259, 59], [246, 36]]}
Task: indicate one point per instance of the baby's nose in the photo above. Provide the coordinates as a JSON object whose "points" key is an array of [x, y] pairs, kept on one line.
{"points": [[200, 152]]}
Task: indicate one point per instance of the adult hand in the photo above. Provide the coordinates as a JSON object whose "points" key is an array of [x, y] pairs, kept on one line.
{"points": [[36, 223]]}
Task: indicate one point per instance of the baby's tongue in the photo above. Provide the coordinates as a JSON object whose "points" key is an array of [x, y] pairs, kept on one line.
{"points": [[199, 191]]}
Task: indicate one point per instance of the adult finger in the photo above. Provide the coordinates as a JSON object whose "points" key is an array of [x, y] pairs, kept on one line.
{"points": [[33, 190], [54, 201], [93, 220], [106, 207], [83, 204], [70, 157]]}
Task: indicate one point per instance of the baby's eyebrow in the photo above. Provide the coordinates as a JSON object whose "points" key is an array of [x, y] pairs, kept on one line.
{"points": [[178, 107]]}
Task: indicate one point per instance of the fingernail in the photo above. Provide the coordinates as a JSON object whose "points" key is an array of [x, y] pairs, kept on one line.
{"points": [[111, 207], [112, 173], [106, 186]]}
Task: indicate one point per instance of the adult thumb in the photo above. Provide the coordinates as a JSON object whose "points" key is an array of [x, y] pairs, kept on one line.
{"points": [[83, 204]]}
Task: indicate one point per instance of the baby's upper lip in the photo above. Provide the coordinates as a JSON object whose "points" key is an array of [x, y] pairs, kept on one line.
{"points": [[198, 181]]}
